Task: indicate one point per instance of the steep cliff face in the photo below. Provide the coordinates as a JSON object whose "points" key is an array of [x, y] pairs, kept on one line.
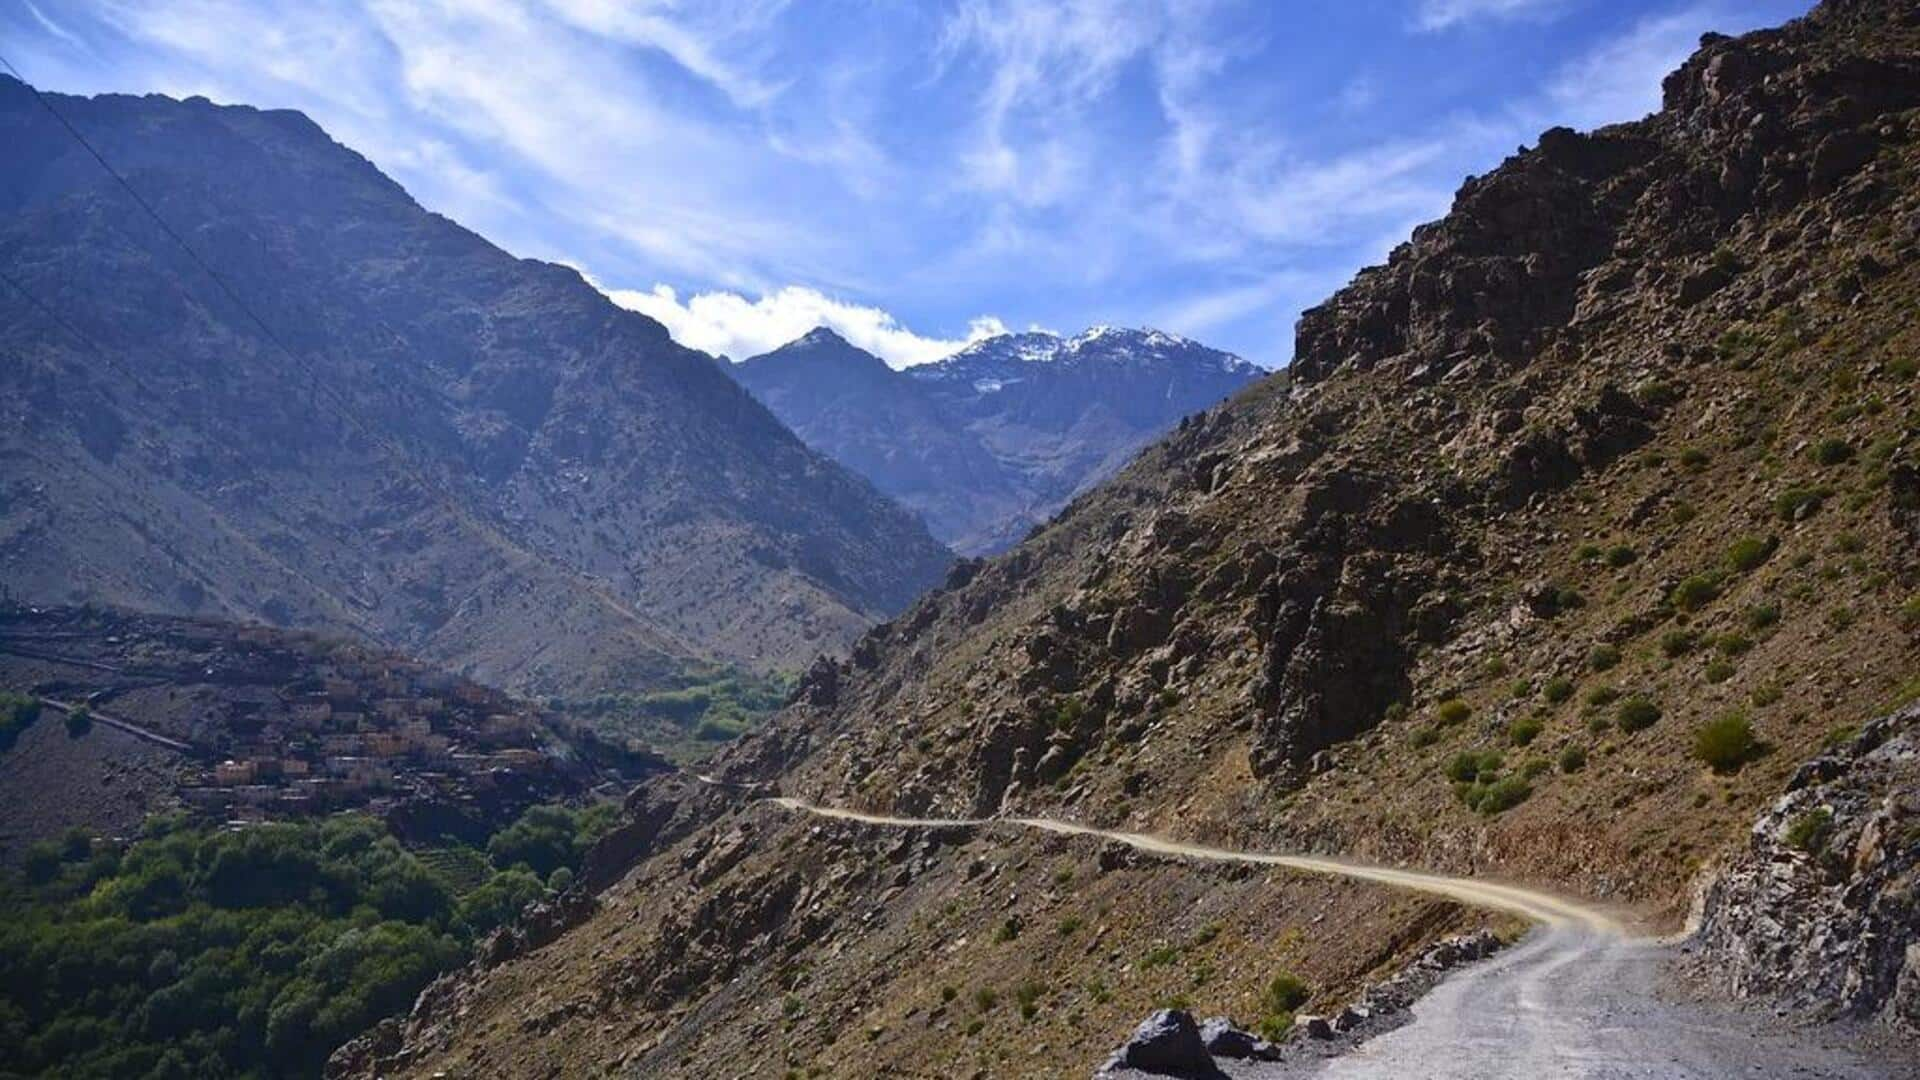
{"points": [[1588, 518], [475, 457]]}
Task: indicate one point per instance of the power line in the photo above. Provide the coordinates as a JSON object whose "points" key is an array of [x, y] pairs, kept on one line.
{"points": [[341, 406]]}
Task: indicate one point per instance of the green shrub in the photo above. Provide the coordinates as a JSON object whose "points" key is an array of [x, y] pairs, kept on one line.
{"points": [[1558, 689], [985, 999], [1520, 688], [1573, 759], [79, 721], [1468, 765], [1423, 736], [1453, 711], [1502, 794], [1068, 926], [1567, 598], [1910, 613], [1800, 502], [1008, 930], [1725, 744], [1598, 723], [1733, 643], [1533, 768], [1524, 730], [1841, 617], [1696, 592], [1602, 696], [1636, 714], [1675, 643], [1832, 451], [1810, 830], [949, 992], [1285, 993], [1749, 552], [1849, 543], [1682, 513], [1604, 657], [1760, 616], [1693, 459], [1495, 666], [1768, 693], [1620, 555], [1719, 671]]}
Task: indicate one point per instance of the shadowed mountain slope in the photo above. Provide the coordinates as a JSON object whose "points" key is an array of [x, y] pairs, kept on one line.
{"points": [[473, 457]]}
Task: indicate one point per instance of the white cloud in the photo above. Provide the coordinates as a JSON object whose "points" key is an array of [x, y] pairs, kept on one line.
{"points": [[1620, 79], [1445, 14], [728, 324]]}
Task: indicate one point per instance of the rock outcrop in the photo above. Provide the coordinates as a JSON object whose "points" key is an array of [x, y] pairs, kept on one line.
{"points": [[1819, 911]]}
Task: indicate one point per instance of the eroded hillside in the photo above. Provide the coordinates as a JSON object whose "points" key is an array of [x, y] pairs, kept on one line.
{"points": [[1589, 516]]}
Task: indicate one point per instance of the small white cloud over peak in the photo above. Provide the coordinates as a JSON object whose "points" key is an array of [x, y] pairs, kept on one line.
{"points": [[729, 324], [1445, 14]]}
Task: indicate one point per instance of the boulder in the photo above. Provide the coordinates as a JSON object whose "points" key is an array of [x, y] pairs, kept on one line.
{"points": [[1313, 1027], [1223, 1040], [1166, 1044]]}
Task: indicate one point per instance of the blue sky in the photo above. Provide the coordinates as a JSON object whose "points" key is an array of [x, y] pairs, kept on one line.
{"points": [[916, 172]]}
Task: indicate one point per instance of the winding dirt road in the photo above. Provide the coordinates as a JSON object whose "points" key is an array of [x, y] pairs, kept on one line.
{"points": [[1579, 998]]}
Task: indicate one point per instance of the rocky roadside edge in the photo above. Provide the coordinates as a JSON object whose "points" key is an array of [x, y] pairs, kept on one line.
{"points": [[1818, 913], [1171, 1043]]}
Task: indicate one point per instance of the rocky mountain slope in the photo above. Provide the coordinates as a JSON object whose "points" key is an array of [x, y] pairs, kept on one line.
{"points": [[993, 440], [315, 725], [1589, 517], [476, 458]]}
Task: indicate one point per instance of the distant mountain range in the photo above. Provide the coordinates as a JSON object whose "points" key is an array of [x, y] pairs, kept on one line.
{"points": [[994, 439], [421, 440]]}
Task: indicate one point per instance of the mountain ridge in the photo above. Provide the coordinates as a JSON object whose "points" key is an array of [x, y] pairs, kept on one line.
{"points": [[522, 480], [988, 442]]}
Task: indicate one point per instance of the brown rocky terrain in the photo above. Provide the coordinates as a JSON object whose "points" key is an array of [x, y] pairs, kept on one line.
{"points": [[375, 423], [247, 722], [1609, 472]]}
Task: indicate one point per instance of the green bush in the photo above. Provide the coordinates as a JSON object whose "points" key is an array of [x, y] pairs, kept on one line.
{"points": [[1733, 643], [1285, 993], [1676, 643], [1620, 555], [1573, 759], [79, 721], [1468, 765], [1423, 736], [1719, 671], [1453, 711], [1696, 592], [1749, 552], [1558, 689], [1767, 694], [1499, 795], [1910, 613], [1800, 502], [1725, 744], [1832, 451], [1810, 830], [1524, 730], [1636, 714], [1604, 657], [18, 712], [1694, 459], [1849, 543], [1760, 616], [1598, 723], [985, 999], [1602, 696], [1568, 599]]}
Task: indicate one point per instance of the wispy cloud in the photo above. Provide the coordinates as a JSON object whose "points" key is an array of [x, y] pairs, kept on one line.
{"points": [[1445, 14], [729, 324], [1211, 165]]}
